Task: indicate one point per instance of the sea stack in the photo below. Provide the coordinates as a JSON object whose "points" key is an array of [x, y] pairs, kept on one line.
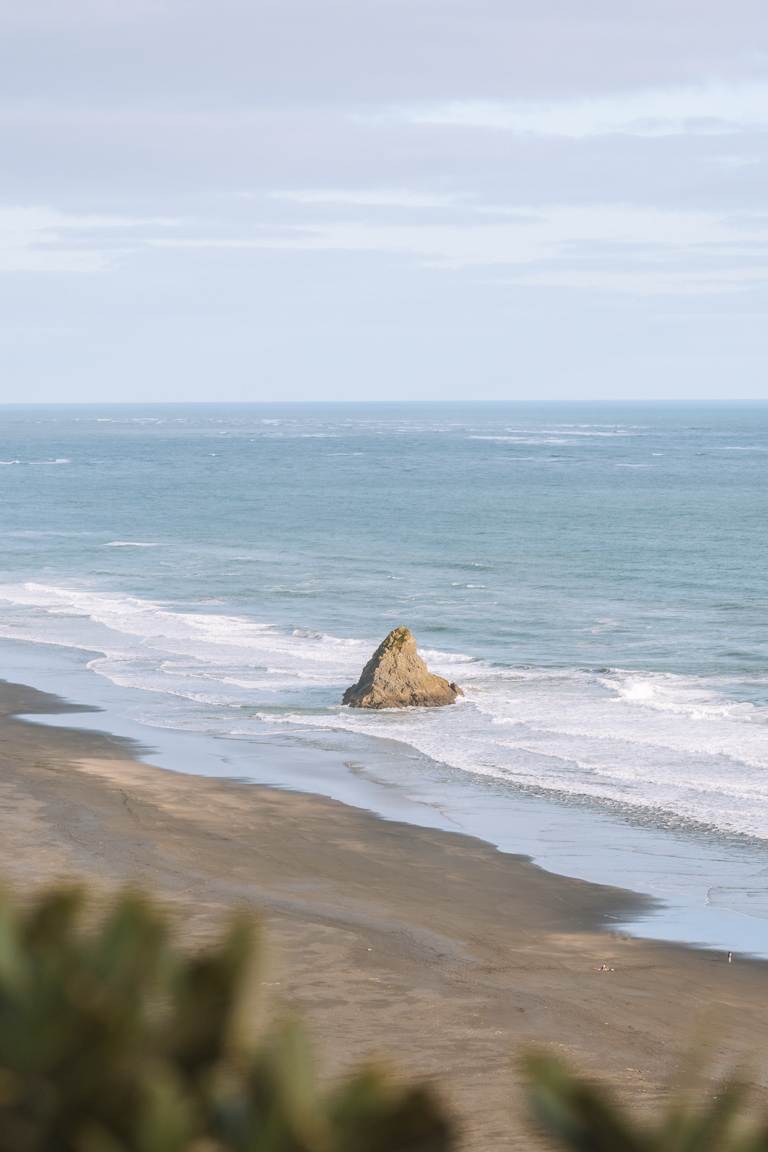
{"points": [[397, 677]]}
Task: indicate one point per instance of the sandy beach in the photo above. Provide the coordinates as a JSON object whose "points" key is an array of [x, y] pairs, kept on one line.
{"points": [[428, 950]]}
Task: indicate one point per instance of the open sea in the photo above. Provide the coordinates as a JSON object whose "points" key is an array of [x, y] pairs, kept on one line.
{"points": [[594, 576]]}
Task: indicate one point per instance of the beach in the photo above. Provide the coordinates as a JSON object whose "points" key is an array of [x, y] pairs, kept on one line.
{"points": [[430, 951]]}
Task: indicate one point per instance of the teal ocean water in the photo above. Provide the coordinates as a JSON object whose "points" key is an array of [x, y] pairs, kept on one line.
{"points": [[596, 577]]}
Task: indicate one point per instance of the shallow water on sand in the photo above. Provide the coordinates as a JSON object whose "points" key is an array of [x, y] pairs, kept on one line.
{"points": [[594, 577]]}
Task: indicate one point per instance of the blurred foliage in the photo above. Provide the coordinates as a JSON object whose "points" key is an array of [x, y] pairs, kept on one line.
{"points": [[576, 1114], [114, 1039]]}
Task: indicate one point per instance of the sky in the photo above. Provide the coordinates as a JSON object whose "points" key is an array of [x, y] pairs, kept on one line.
{"points": [[383, 200]]}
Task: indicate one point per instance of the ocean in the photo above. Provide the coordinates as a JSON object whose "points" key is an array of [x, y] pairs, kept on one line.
{"points": [[594, 576]]}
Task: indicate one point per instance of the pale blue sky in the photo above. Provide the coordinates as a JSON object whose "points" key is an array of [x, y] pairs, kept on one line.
{"points": [[383, 199]]}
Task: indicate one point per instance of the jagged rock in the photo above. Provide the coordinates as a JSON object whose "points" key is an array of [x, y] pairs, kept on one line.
{"points": [[397, 677]]}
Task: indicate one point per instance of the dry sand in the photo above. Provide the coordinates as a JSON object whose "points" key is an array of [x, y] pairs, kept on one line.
{"points": [[430, 950]]}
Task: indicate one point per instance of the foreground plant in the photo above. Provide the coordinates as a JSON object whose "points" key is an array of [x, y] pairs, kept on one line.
{"points": [[114, 1039], [579, 1115]]}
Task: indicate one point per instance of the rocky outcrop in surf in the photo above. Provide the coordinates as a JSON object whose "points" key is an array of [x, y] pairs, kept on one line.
{"points": [[397, 677]]}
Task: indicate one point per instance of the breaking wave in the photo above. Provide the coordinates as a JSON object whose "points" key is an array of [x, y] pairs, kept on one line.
{"points": [[681, 748]]}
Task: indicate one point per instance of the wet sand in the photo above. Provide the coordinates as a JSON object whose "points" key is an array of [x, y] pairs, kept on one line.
{"points": [[432, 951]]}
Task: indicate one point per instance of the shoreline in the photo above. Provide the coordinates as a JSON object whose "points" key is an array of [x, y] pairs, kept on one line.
{"points": [[600, 911], [428, 948], [705, 892]]}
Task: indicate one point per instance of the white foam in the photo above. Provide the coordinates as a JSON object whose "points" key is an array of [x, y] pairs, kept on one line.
{"points": [[530, 435], [523, 439], [58, 460], [686, 747], [131, 544]]}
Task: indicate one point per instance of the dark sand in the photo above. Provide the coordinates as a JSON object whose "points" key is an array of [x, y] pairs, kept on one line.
{"points": [[430, 950]]}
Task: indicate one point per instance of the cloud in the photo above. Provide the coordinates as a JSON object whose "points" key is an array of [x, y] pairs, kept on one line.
{"points": [[41, 239], [431, 174], [88, 14], [612, 247], [600, 246], [707, 109], [366, 198]]}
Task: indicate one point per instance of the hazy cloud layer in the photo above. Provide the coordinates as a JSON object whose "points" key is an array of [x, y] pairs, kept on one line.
{"points": [[383, 198]]}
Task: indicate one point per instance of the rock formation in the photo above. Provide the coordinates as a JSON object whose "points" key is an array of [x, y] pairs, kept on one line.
{"points": [[397, 677]]}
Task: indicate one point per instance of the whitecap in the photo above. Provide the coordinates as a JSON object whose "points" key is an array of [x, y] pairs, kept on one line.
{"points": [[683, 745]]}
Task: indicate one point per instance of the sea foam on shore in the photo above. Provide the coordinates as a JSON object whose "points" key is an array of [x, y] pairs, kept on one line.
{"points": [[678, 748]]}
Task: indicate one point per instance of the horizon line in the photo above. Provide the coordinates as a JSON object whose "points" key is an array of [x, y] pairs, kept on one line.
{"points": [[655, 401]]}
